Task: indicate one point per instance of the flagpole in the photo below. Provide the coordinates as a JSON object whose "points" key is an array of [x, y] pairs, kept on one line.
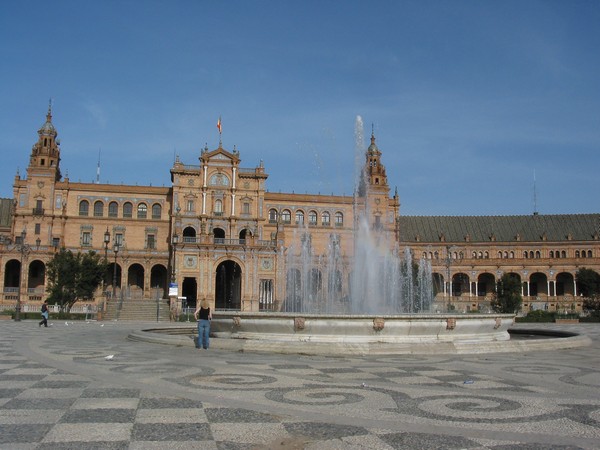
{"points": [[219, 128]]}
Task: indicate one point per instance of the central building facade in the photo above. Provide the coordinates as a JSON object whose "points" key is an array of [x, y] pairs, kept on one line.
{"points": [[218, 233]]}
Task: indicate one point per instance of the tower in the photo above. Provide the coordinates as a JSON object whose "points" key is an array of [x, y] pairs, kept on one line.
{"points": [[45, 153]]}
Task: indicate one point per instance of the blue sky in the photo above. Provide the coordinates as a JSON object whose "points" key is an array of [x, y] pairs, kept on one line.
{"points": [[468, 99]]}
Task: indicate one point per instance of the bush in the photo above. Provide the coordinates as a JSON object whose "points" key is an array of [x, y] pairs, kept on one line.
{"points": [[539, 315]]}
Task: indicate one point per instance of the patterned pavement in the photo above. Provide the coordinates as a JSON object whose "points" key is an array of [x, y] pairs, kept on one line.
{"points": [[58, 391]]}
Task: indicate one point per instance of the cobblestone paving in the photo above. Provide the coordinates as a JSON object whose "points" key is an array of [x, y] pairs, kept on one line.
{"points": [[58, 391]]}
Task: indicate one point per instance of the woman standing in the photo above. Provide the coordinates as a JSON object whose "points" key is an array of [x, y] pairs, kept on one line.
{"points": [[44, 320], [203, 316]]}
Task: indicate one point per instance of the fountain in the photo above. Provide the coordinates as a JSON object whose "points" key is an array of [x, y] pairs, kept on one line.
{"points": [[377, 300]]}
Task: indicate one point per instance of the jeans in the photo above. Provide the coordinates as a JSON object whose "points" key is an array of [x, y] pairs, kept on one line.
{"points": [[203, 333]]}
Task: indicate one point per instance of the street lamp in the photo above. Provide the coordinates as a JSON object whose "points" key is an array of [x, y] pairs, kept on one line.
{"points": [[174, 241], [106, 242], [114, 287]]}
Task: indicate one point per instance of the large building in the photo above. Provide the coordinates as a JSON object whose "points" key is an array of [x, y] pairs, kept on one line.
{"points": [[218, 233]]}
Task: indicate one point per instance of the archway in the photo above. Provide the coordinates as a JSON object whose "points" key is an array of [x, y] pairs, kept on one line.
{"points": [[36, 276], [158, 281], [189, 234], [135, 281], [293, 286], [189, 290], [12, 270], [486, 284], [219, 235], [228, 286], [565, 284]]}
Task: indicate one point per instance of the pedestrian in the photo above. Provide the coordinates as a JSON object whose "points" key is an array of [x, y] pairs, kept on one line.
{"points": [[203, 316], [44, 320]]}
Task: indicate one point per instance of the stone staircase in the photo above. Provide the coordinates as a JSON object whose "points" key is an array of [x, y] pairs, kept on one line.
{"points": [[137, 310]]}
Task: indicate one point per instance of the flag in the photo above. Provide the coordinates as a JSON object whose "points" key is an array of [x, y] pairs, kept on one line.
{"points": [[219, 124]]}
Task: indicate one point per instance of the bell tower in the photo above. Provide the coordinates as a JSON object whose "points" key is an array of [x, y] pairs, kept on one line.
{"points": [[45, 154]]}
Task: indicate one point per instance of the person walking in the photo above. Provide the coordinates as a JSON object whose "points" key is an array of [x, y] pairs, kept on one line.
{"points": [[203, 316], [44, 320]]}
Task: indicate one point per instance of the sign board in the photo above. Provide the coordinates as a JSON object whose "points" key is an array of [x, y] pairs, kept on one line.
{"points": [[173, 290]]}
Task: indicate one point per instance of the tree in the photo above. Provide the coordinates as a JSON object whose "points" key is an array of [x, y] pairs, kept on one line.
{"points": [[508, 295], [588, 282], [73, 277]]}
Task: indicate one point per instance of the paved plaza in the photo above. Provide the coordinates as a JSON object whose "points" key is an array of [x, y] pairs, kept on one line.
{"points": [[59, 391]]}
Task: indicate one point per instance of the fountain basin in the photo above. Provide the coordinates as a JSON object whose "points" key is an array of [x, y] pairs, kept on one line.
{"points": [[361, 329], [331, 335]]}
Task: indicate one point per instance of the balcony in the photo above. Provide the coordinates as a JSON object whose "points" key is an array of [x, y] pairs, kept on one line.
{"points": [[38, 211]]}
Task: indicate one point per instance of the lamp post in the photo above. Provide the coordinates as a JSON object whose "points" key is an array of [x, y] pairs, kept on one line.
{"points": [[114, 287], [174, 241], [106, 242]]}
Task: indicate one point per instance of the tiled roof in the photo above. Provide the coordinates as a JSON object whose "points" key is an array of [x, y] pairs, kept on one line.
{"points": [[563, 227], [5, 212]]}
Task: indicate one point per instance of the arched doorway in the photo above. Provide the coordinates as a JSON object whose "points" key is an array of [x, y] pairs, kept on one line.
{"points": [[188, 290], [158, 281], [135, 281], [228, 286]]}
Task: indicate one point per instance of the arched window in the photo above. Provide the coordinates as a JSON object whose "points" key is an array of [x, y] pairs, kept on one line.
{"points": [[84, 208], [273, 215], [563, 254], [512, 255], [486, 255], [98, 208], [312, 217], [299, 217], [142, 211], [156, 211], [525, 254], [474, 255], [589, 253], [113, 209], [538, 255], [500, 255], [326, 218], [286, 216], [577, 253], [339, 219], [127, 210]]}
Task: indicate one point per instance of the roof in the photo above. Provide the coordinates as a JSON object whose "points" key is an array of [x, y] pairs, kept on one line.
{"points": [[563, 227], [5, 212]]}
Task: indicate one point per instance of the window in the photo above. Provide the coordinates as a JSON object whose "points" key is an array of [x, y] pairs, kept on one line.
{"points": [[113, 209], [86, 238], [128, 210], [98, 209], [286, 216], [265, 295], [189, 206], [273, 216], [339, 219], [312, 218], [142, 211], [37, 228], [326, 219], [299, 217], [156, 211], [218, 207], [246, 208], [118, 239], [84, 208], [150, 241]]}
